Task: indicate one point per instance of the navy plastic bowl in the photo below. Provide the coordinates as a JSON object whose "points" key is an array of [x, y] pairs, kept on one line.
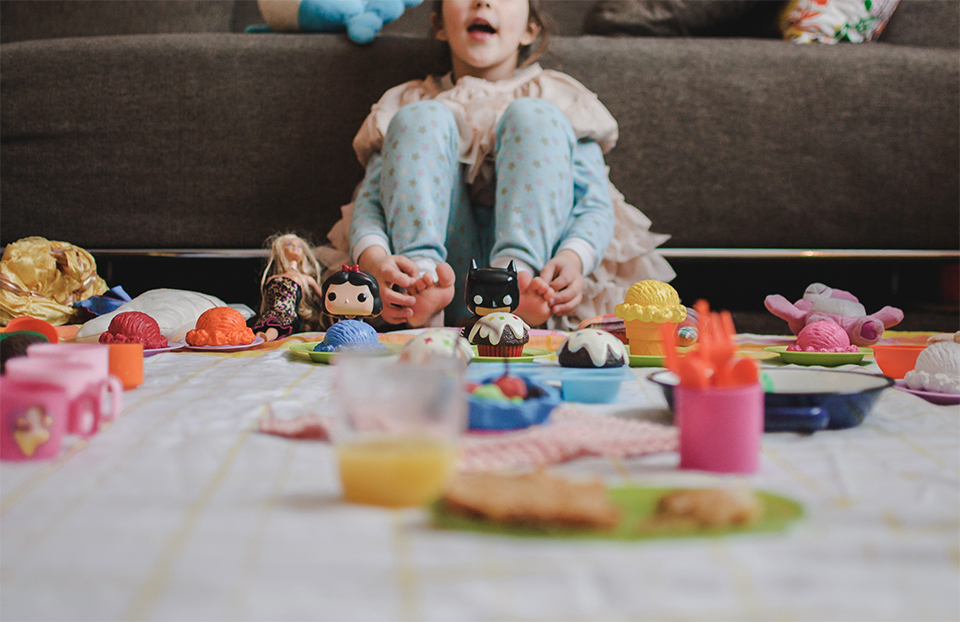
{"points": [[806, 400], [494, 415]]}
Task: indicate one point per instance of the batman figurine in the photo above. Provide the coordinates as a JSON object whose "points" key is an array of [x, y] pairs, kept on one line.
{"points": [[492, 289]]}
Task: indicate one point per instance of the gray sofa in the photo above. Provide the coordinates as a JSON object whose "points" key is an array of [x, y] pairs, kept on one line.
{"points": [[171, 144]]}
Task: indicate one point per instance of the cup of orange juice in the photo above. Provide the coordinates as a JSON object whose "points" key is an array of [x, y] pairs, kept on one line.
{"points": [[397, 427]]}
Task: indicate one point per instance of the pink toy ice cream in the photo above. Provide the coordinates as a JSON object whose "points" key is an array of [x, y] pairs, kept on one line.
{"points": [[823, 336], [937, 369]]}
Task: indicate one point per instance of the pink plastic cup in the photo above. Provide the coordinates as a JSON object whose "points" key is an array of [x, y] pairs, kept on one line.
{"points": [[720, 427], [33, 419], [95, 354], [86, 388]]}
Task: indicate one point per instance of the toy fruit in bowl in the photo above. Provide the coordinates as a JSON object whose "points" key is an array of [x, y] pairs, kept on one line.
{"points": [[509, 402], [896, 359]]}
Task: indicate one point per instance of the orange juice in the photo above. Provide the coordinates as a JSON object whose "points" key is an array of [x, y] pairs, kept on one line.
{"points": [[395, 472]]}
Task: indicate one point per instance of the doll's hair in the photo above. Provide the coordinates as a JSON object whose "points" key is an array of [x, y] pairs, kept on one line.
{"points": [[529, 54], [277, 264], [357, 278]]}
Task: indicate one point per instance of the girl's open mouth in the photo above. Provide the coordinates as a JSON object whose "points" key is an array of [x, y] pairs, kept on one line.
{"points": [[481, 28]]}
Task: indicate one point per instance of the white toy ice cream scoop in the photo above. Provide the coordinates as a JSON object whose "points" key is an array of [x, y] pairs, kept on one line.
{"points": [[937, 369]]}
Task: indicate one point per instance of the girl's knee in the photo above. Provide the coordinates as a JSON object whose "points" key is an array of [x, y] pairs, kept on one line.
{"points": [[417, 113], [534, 114]]}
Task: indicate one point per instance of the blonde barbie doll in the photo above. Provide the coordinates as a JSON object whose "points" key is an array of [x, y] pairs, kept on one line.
{"points": [[288, 288]]}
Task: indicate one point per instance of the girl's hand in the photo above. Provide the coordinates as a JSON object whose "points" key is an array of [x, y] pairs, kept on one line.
{"points": [[564, 275], [390, 270]]}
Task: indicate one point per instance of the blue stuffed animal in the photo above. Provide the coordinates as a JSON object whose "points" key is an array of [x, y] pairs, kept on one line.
{"points": [[361, 19]]}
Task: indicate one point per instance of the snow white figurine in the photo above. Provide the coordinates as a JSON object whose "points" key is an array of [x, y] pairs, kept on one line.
{"points": [[288, 289]]}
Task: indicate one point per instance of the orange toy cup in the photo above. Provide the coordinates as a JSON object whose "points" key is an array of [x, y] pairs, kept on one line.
{"points": [[896, 359], [644, 337], [126, 363]]}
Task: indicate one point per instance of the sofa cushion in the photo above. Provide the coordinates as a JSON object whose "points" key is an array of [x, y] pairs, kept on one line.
{"points": [[665, 18]]}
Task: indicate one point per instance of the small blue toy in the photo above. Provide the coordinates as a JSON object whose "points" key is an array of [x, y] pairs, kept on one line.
{"points": [[360, 19], [349, 335]]}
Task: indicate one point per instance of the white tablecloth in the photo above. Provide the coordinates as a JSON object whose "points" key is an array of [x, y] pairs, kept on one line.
{"points": [[182, 510]]}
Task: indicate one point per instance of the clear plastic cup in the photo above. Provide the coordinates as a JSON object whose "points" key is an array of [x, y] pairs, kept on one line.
{"points": [[397, 427]]}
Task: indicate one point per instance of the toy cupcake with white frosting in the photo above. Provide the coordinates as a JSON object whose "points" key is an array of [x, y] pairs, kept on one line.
{"points": [[500, 334], [592, 347]]}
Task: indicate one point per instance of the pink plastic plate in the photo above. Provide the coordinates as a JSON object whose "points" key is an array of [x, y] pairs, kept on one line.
{"points": [[171, 346], [942, 399], [254, 343]]}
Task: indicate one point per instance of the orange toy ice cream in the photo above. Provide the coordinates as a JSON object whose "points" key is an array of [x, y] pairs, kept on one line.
{"points": [[646, 306], [220, 326]]}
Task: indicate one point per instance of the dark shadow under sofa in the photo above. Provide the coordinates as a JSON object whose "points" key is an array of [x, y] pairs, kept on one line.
{"points": [[172, 155]]}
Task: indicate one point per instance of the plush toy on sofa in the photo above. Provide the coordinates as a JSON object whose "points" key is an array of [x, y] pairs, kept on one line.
{"points": [[361, 19], [820, 302]]}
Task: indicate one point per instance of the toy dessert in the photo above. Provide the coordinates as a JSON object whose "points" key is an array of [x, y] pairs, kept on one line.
{"points": [[436, 342], [823, 336], [134, 327], [220, 326], [646, 306], [532, 499], [705, 508], [349, 335], [592, 348], [500, 334], [937, 369], [509, 402]]}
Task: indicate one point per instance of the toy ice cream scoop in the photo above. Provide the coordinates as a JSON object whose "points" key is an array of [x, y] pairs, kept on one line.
{"points": [[134, 327], [349, 335], [822, 336], [937, 369], [220, 326], [647, 305], [437, 342]]}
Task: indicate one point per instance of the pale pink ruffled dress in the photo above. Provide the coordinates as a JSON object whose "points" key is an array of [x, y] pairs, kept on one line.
{"points": [[477, 105]]}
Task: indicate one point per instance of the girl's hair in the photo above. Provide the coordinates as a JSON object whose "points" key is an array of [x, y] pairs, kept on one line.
{"points": [[357, 278], [278, 264], [529, 54]]}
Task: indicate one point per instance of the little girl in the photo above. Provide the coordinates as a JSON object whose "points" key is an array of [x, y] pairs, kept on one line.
{"points": [[494, 163]]}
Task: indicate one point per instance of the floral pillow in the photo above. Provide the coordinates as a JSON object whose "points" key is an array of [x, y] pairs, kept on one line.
{"points": [[833, 21]]}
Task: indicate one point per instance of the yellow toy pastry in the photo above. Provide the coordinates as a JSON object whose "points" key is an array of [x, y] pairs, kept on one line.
{"points": [[646, 306]]}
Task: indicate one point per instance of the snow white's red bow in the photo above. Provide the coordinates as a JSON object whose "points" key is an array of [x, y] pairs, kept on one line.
{"points": [[353, 268]]}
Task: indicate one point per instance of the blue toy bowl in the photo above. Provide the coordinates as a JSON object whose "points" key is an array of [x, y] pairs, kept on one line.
{"points": [[493, 415], [592, 386]]}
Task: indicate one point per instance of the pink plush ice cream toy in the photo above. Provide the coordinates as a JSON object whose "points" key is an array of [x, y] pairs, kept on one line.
{"points": [[821, 303], [822, 336]]}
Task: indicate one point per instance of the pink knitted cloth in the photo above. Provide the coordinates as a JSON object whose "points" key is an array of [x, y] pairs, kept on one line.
{"points": [[569, 434]]}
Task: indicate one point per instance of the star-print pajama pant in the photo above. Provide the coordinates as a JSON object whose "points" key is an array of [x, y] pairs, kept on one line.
{"points": [[415, 194]]}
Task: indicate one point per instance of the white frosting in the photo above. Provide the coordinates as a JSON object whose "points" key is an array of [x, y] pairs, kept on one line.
{"points": [[490, 327], [937, 369], [436, 342], [598, 344]]}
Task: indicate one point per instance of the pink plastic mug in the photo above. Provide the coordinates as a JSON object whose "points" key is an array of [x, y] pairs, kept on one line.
{"points": [[95, 354], [86, 389], [33, 419], [720, 427]]}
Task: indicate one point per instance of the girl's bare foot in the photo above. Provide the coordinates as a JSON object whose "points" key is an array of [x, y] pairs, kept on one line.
{"points": [[535, 295], [432, 296]]}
